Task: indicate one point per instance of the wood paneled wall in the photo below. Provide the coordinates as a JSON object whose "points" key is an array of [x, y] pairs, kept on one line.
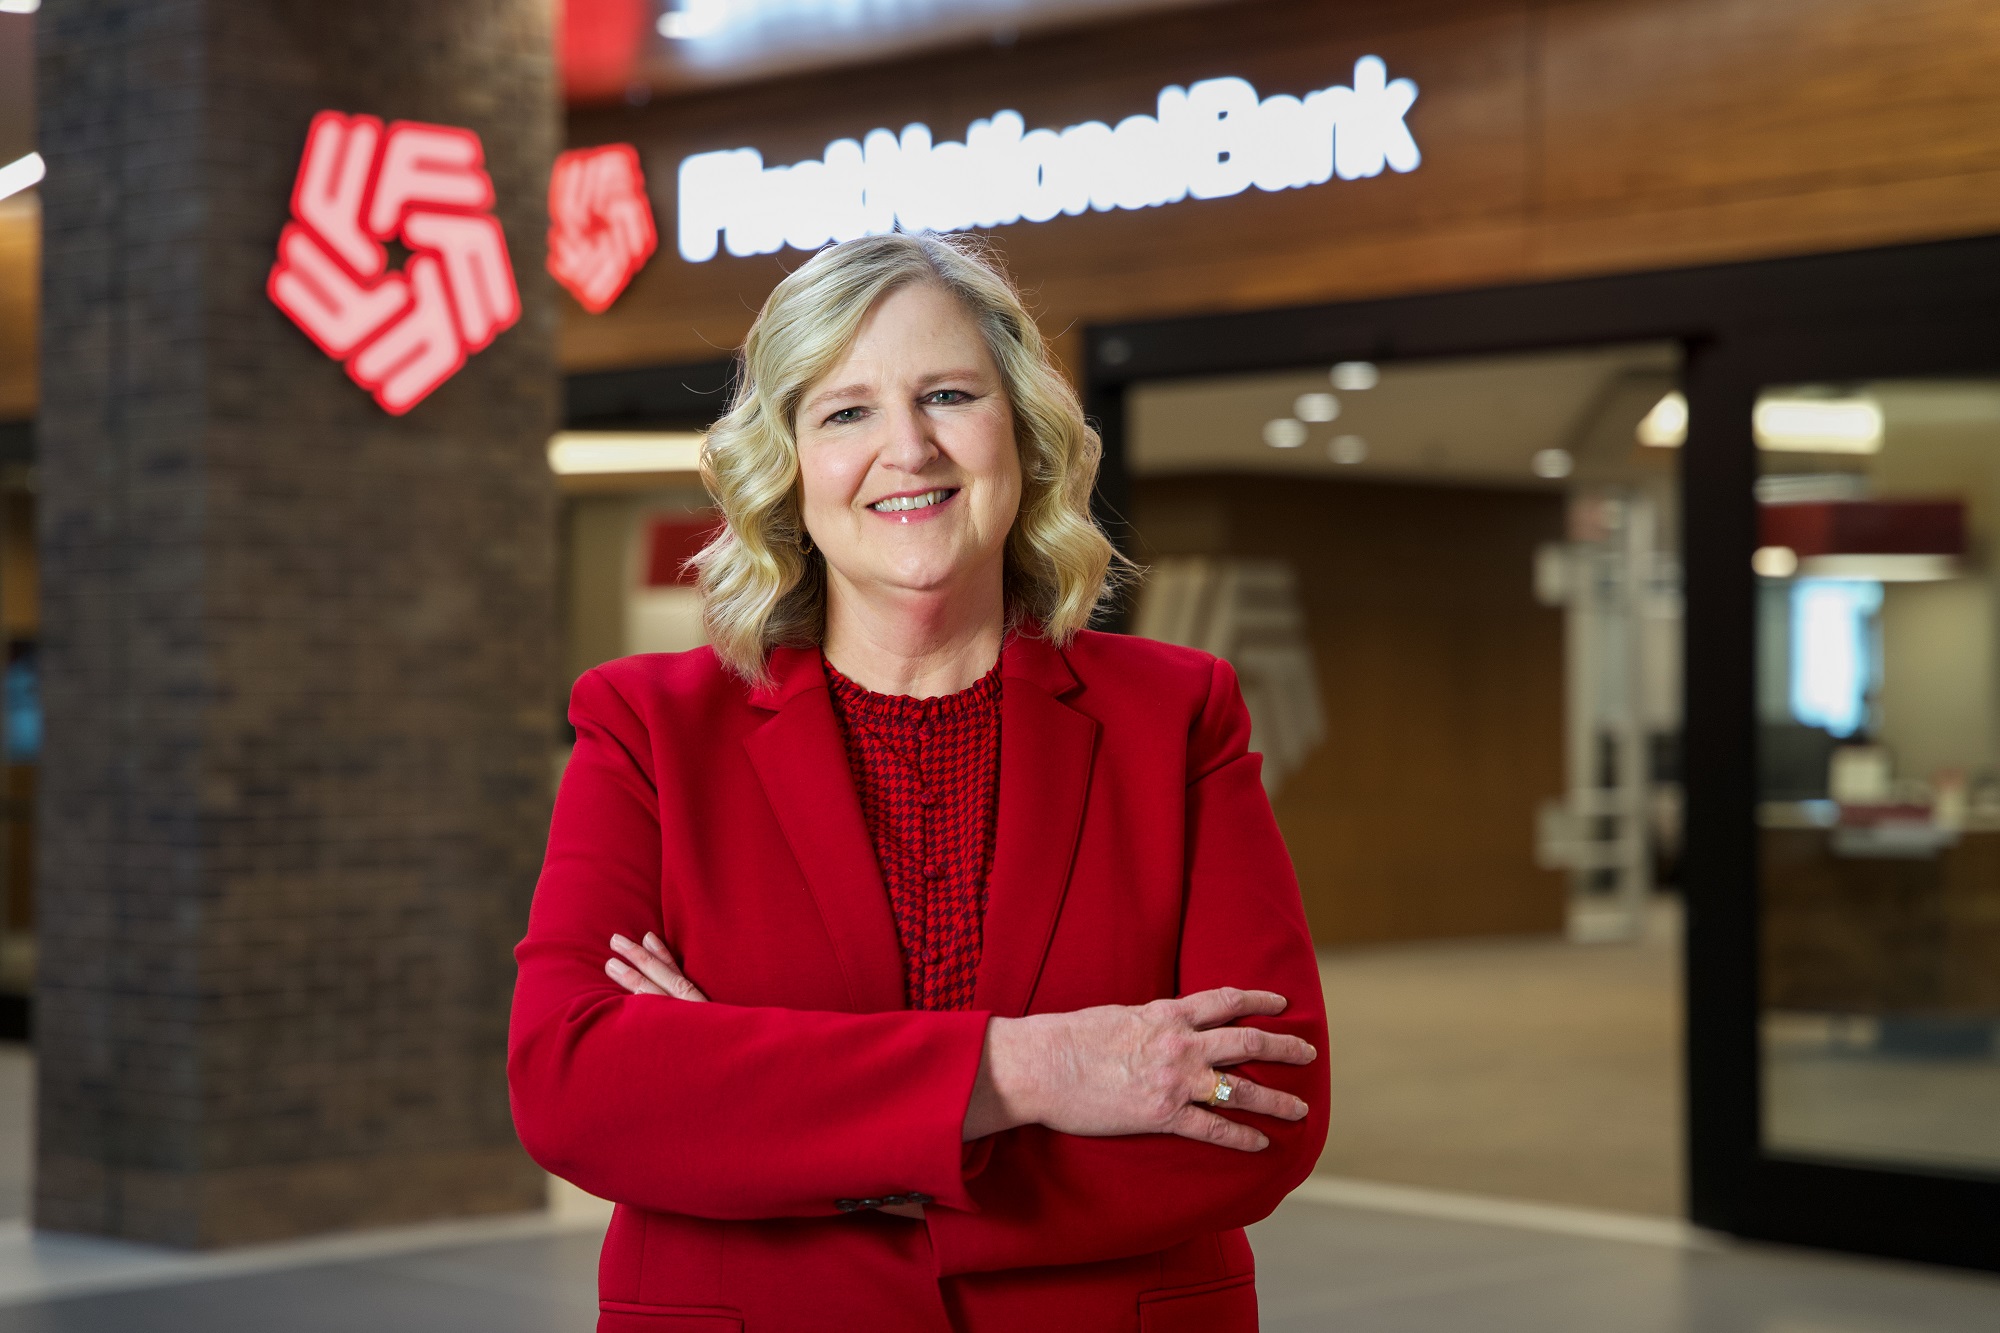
{"points": [[20, 290], [1442, 681], [1560, 137]]}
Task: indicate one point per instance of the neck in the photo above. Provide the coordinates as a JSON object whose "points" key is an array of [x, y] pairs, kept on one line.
{"points": [[917, 643]]}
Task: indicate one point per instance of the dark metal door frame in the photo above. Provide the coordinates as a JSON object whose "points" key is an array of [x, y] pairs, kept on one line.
{"points": [[1926, 1214]]}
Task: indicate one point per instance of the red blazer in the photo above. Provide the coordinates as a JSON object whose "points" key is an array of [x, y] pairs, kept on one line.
{"points": [[1136, 857]]}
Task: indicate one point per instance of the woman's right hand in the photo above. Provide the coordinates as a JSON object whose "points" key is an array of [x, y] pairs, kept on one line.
{"points": [[1135, 1069], [1114, 1069]]}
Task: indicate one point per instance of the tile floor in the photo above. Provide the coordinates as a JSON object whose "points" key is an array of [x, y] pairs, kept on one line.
{"points": [[1520, 1067], [1324, 1270]]}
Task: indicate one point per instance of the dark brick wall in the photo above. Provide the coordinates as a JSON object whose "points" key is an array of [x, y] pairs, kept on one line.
{"points": [[298, 653]]}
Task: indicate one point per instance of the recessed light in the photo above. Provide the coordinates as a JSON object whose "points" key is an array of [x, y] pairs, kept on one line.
{"points": [[1284, 432], [1355, 376], [1775, 562], [1316, 407], [1553, 464], [1347, 450], [1666, 426]]}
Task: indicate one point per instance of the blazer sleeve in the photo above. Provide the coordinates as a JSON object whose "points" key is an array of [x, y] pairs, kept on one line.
{"points": [[1049, 1198], [710, 1110]]}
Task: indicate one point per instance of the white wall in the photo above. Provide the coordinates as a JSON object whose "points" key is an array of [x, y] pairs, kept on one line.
{"points": [[1937, 696]]}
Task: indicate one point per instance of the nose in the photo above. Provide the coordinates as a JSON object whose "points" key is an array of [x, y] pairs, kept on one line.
{"points": [[910, 446]]}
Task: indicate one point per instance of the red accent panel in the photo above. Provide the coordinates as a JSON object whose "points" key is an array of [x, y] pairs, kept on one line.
{"points": [[600, 42], [1865, 527], [670, 544]]}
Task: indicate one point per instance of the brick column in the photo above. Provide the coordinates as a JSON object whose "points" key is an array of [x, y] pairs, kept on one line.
{"points": [[298, 653]]}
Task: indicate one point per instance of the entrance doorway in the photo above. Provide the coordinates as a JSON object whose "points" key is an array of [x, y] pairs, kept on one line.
{"points": [[1450, 589], [1762, 1160]]}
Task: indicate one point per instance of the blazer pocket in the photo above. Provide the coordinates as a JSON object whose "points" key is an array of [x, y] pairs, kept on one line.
{"points": [[626, 1317], [1228, 1306]]}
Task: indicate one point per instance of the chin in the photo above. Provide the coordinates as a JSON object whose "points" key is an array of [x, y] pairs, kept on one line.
{"points": [[923, 581], [926, 575]]}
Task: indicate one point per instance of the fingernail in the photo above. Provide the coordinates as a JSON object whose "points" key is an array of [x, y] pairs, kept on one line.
{"points": [[615, 966], [1298, 1110], [653, 941], [1262, 1143], [620, 942], [1311, 1054]]}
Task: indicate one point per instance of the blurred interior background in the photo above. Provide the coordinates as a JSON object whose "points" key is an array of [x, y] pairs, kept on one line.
{"points": [[1596, 497]]}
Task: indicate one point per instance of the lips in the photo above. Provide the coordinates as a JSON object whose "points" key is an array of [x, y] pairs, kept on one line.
{"points": [[903, 504]]}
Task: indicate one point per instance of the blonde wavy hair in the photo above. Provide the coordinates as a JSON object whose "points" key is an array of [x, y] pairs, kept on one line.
{"points": [[761, 585]]}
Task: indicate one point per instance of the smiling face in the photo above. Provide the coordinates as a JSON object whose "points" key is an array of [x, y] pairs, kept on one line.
{"points": [[908, 470]]}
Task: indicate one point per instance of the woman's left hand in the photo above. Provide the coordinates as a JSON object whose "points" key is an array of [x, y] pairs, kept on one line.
{"points": [[647, 968]]}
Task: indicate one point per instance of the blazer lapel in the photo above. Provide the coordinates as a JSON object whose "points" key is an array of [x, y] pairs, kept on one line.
{"points": [[802, 765], [1045, 757]]}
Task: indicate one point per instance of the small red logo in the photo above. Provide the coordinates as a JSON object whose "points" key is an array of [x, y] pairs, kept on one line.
{"points": [[401, 334], [600, 223]]}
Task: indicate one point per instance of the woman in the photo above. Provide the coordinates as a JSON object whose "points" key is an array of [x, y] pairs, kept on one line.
{"points": [[851, 974]]}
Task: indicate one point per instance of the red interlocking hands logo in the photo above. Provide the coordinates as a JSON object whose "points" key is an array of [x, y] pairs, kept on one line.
{"points": [[600, 224], [401, 334]]}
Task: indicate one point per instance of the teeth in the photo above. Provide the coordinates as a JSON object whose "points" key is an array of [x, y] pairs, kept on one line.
{"points": [[898, 503]]}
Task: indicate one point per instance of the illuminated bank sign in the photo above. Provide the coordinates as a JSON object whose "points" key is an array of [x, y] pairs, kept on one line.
{"points": [[1214, 139]]}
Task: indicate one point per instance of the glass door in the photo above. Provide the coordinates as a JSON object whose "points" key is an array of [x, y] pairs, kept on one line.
{"points": [[1852, 898]]}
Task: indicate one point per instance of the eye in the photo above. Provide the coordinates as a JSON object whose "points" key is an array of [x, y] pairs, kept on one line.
{"points": [[845, 416], [947, 397]]}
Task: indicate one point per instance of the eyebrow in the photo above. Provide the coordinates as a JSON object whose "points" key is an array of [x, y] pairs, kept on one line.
{"points": [[842, 392], [964, 373]]}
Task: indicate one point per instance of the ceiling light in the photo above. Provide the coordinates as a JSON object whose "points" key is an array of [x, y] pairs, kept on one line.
{"points": [[1805, 487], [1347, 450], [1819, 425], [578, 453], [1775, 562], [1355, 376], [1553, 464], [1284, 432], [695, 19], [21, 173], [1884, 568], [19, 6], [1666, 426], [1316, 407]]}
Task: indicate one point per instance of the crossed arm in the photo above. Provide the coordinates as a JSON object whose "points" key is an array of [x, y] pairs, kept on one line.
{"points": [[1109, 1070]]}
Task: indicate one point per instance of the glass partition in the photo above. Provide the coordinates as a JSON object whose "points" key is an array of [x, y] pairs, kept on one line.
{"points": [[1878, 701]]}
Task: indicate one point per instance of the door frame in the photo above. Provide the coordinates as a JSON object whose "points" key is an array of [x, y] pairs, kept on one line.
{"points": [[1930, 1214], [1932, 308]]}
